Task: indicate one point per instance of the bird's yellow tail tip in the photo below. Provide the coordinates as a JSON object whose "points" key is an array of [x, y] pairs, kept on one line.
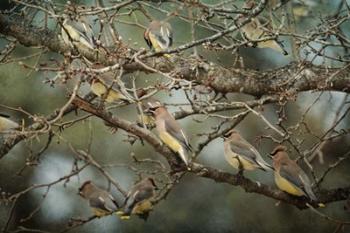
{"points": [[119, 213], [321, 205], [125, 217]]}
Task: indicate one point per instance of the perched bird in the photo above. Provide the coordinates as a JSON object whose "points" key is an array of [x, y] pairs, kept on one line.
{"points": [[6, 124], [138, 200], [240, 154], [289, 177], [170, 132], [257, 29], [101, 201], [78, 34], [159, 36], [107, 89]]}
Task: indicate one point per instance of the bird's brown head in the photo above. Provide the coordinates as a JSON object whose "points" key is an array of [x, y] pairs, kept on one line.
{"points": [[279, 153], [231, 134], [84, 187], [154, 107], [154, 25]]}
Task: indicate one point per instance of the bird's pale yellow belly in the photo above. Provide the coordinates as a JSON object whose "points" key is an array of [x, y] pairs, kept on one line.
{"points": [[170, 141], [232, 159], [287, 186]]}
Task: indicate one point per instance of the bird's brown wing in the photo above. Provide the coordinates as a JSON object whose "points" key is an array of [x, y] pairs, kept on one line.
{"points": [[136, 195], [174, 129], [104, 202], [164, 36], [243, 149], [289, 173], [85, 31], [299, 178]]}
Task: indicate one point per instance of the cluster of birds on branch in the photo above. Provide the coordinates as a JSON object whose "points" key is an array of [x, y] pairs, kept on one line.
{"points": [[239, 153]]}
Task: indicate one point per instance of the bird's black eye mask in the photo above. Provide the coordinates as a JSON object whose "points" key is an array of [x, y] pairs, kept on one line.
{"points": [[276, 150], [226, 135], [152, 107], [150, 110]]}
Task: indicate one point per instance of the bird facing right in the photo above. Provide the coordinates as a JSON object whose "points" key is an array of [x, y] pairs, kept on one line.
{"points": [[240, 154], [289, 177]]}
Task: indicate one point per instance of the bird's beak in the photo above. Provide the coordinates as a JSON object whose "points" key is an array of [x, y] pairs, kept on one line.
{"points": [[270, 156]]}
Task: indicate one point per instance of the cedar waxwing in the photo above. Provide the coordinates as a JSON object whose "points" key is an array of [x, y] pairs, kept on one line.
{"points": [[289, 177], [170, 132], [159, 36], [256, 29], [101, 201], [138, 200], [241, 154], [6, 124], [107, 89], [78, 34]]}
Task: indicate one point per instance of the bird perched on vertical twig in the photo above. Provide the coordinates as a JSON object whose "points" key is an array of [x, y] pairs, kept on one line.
{"points": [[256, 29], [6, 124], [241, 155], [101, 201], [138, 200], [170, 132], [159, 36], [289, 177]]}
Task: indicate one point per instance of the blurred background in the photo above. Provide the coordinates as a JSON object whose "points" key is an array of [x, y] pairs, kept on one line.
{"points": [[195, 204]]}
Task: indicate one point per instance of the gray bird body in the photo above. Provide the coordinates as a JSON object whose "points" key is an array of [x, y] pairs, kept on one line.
{"points": [[171, 133], [100, 200], [238, 152], [140, 193], [103, 200], [289, 176]]}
